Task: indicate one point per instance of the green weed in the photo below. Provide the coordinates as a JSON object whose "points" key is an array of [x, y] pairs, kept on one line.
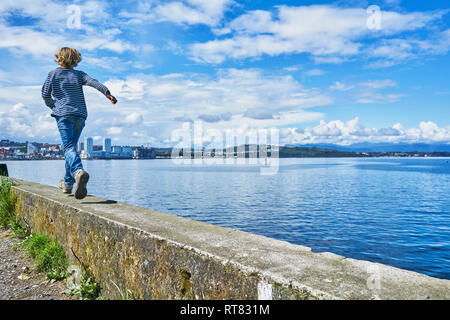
{"points": [[49, 256], [88, 289], [8, 216], [7, 205]]}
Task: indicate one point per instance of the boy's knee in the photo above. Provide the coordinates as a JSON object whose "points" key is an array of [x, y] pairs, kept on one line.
{"points": [[70, 149]]}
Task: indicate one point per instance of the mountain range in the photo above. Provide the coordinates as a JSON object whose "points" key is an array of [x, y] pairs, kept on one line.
{"points": [[380, 147]]}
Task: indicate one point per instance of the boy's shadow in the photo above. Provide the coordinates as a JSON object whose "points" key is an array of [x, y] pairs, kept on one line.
{"points": [[100, 202], [97, 202]]}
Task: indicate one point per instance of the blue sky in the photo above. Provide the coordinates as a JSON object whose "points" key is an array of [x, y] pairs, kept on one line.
{"points": [[321, 71]]}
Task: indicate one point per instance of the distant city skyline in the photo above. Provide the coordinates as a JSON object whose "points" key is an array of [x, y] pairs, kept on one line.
{"points": [[31, 150], [336, 72]]}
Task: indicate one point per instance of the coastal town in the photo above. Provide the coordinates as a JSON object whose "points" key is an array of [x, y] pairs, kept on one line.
{"points": [[11, 150]]}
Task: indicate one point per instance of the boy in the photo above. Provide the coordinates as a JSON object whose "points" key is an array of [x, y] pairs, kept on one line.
{"points": [[63, 93]]}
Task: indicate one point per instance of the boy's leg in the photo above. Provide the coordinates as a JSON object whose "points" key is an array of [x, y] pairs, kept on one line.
{"points": [[68, 179], [78, 125], [70, 130], [81, 177]]}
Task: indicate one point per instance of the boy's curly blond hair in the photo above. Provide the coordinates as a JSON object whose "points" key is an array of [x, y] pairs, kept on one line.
{"points": [[68, 57]]}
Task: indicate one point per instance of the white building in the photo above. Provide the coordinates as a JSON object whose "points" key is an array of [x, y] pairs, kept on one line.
{"points": [[88, 145], [117, 149], [108, 152], [107, 145], [80, 146], [127, 150], [31, 148]]}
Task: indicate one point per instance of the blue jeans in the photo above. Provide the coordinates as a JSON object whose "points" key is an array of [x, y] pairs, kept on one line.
{"points": [[70, 130]]}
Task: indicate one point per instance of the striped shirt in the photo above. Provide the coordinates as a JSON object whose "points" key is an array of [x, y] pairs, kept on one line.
{"points": [[63, 92]]}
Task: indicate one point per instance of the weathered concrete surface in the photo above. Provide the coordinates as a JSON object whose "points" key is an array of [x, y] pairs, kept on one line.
{"points": [[162, 256]]}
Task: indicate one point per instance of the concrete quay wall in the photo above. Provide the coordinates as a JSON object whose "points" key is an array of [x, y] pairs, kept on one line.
{"points": [[162, 256]]}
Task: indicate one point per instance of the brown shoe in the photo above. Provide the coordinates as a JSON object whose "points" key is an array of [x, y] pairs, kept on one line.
{"points": [[81, 180], [65, 187]]}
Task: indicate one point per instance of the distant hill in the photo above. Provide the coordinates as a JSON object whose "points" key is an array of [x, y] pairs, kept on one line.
{"points": [[381, 147], [284, 152], [314, 152], [331, 150]]}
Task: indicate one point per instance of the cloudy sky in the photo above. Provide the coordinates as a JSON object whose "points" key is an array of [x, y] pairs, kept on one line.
{"points": [[320, 71]]}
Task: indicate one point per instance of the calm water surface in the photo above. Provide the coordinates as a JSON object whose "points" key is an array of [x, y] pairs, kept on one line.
{"points": [[390, 210]]}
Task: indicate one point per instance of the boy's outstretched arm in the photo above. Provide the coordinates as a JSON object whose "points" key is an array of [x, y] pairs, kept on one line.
{"points": [[46, 92], [88, 81]]}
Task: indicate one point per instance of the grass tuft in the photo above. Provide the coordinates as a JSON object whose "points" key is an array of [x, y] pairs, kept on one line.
{"points": [[34, 244], [8, 216], [49, 256], [7, 204]]}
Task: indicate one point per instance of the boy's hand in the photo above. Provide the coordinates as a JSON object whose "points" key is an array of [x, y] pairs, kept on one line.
{"points": [[111, 98]]}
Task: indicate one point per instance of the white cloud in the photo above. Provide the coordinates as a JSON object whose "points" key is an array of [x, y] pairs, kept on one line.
{"points": [[339, 86], [253, 22], [330, 60], [49, 12], [189, 12], [315, 72], [23, 122], [328, 33], [370, 91], [379, 84], [134, 118], [232, 91], [390, 52], [345, 133], [114, 131], [392, 49], [30, 119], [24, 40], [430, 130], [178, 12], [49, 30], [53, 16], [157, 103], [149, 106], [373, 97]]}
